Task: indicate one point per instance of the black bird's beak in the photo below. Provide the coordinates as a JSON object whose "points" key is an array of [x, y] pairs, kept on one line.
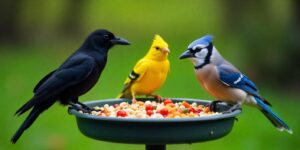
{"points": [[186, 54], [120, 41]]}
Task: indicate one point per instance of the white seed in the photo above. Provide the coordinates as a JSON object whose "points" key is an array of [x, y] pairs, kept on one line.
{"points": [[97, 108], [148, 103]]}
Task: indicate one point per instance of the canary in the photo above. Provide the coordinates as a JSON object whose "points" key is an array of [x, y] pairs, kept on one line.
{"points": [[149, 73]]}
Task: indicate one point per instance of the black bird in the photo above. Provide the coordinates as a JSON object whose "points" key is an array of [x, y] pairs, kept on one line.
{"points": [[77, 75]]}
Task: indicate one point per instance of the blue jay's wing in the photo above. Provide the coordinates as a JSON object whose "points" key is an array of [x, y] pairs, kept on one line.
{"points": [[232, 78]]}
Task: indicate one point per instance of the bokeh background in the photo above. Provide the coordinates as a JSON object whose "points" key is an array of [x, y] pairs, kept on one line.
{"points": [[261, 37]]}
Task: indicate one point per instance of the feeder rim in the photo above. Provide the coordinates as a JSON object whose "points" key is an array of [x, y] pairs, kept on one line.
{"points": [[153, 120]]}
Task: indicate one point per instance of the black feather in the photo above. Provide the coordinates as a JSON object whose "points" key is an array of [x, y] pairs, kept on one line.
{"points": [[42, 81]]}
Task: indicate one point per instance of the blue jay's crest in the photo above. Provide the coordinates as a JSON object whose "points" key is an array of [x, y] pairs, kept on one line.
{"points": [[203, 41]]}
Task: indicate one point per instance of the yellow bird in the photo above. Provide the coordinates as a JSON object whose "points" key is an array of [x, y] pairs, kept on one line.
{"points": [[149, 73]]}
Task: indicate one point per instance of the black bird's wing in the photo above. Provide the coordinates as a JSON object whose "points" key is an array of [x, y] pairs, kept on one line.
{"points": [[72, 72], [43, 80]]}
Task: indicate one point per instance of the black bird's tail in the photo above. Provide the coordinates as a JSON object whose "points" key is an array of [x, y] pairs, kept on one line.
{"points": [[27, 123], [25, 107]]}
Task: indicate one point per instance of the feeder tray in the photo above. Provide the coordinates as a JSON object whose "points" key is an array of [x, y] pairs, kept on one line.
{"points": [[155, 132]]}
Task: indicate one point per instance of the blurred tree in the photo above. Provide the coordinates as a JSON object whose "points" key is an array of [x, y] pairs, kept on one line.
{"points": [[72, 21], [20, 19], [288, 70], [9, 20], [254, 23], [264, 32]]}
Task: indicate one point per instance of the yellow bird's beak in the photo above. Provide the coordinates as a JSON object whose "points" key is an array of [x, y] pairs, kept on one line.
{"points": [[165, 50]]}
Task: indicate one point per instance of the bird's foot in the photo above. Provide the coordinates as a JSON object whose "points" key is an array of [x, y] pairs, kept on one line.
{"points": [[79, 108], [213, 105], [158, 97], [133, 100], [233, 108], [82, 107], [86, 107]]}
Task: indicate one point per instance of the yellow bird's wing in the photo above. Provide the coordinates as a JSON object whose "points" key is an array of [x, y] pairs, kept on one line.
{"points": [[135, 75]]}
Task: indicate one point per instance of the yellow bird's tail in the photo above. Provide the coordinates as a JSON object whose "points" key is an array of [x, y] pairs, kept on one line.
{"points": [[126, 91], [125, 94], [121, 95]]}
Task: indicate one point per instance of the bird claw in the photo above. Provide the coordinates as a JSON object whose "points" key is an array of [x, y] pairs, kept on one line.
{"points": [[84, 110], [213, 105], [133, 101], [232, 109], [159, 98], [79, 108], [87, 108], [82, 107]]}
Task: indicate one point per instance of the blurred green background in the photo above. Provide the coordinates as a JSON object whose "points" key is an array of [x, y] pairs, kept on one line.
{"points": [[261, 37]]}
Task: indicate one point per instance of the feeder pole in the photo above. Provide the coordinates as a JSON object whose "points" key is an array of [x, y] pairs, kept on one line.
{"points": [[155, 147]]}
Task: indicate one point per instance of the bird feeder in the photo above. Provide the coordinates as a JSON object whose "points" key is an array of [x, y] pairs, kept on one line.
{"points": [[155, 133]]}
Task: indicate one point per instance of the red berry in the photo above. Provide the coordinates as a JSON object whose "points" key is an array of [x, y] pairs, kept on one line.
{"points": [[149, 112], [168, 101], [164, 111], [192, 110], [149, 107], [121, 113], [199, 110]]}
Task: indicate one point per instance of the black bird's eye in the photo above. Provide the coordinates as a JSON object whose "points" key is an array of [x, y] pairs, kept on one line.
{"points": [[106, 37], [156, 47]]}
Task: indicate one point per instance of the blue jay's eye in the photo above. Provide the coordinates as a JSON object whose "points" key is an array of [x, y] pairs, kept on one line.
{"points": [[196, 49]]}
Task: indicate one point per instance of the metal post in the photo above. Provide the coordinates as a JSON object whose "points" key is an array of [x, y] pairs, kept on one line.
{"points": [[155, 147]]}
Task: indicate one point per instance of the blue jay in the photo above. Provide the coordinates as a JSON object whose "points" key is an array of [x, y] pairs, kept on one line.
{"points": [[225, 82]]}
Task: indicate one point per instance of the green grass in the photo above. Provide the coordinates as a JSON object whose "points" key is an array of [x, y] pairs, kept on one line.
{"points": [[55, 129]]}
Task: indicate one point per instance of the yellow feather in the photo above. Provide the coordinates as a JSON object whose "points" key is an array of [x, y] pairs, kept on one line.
{"points": [[152, 71]]}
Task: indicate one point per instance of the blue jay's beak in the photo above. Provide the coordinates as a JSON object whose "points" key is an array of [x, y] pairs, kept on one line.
{"points": [[120, 41], [186, 54]]}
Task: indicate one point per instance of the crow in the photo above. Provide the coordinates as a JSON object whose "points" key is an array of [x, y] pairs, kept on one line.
{"points": [[76, 76]]}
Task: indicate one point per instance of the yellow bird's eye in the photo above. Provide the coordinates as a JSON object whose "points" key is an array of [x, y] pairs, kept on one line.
{"points": [[156, 47]]}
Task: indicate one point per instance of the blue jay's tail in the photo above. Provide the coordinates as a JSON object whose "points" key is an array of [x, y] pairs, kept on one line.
{"points": [[276, 121]]}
